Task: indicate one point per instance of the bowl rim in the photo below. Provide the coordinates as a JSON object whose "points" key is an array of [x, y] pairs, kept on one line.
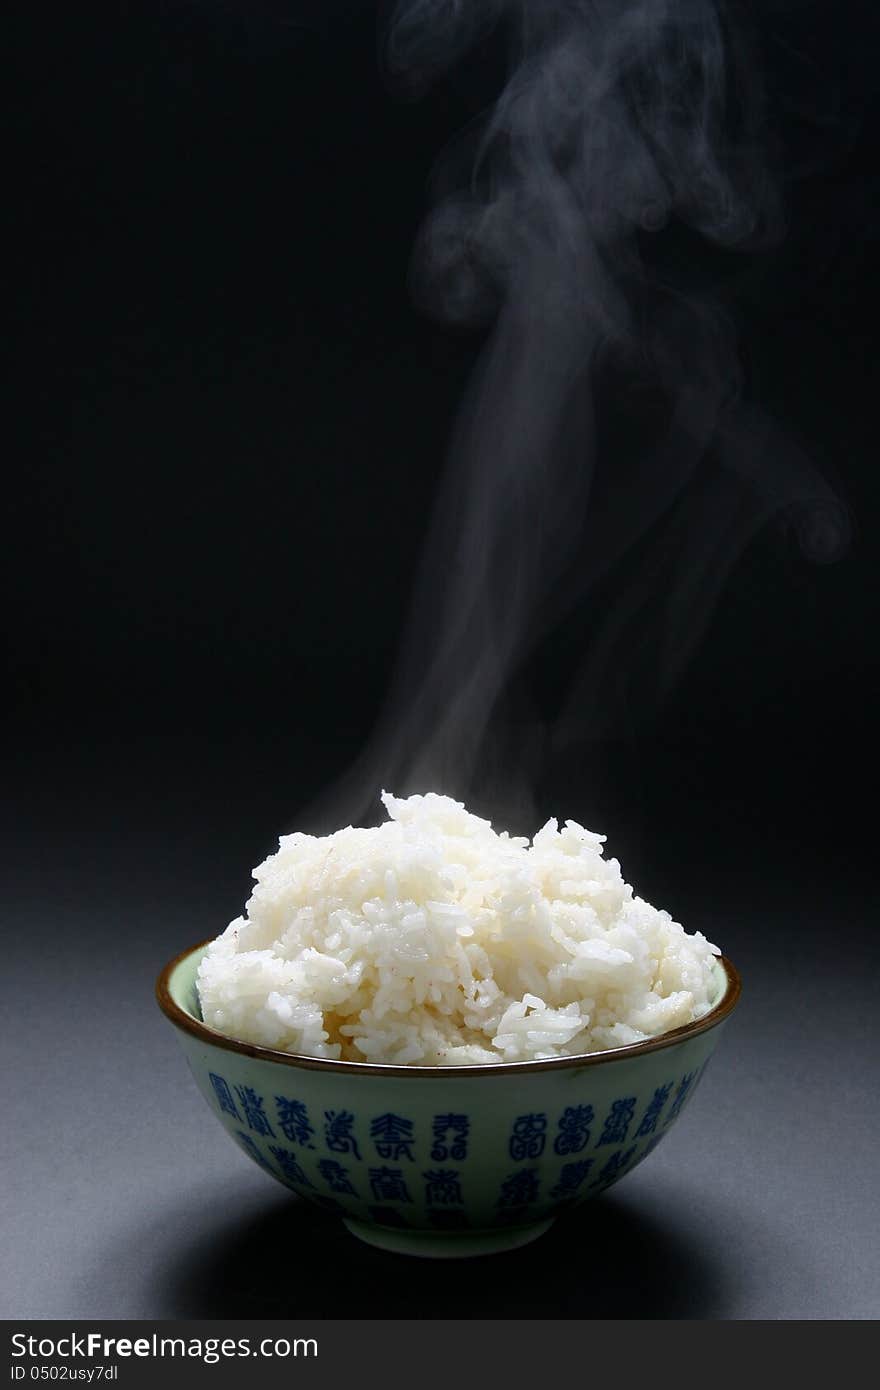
{"points": [[205, 1034]]}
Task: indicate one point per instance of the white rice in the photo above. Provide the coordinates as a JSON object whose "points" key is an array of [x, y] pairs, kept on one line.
{"points": [[433, 940]]}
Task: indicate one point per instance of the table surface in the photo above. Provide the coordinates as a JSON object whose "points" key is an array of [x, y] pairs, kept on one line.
{"points": [[124, 1200]]}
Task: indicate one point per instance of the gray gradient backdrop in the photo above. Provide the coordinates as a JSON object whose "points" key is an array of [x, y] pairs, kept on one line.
{"points": [[234, 423]]}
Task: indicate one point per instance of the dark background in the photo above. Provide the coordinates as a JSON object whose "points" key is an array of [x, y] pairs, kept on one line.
{"points": [[229, 421]]}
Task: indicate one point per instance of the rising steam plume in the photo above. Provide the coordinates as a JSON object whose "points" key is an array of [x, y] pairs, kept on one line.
{"points": [[578, 224]]}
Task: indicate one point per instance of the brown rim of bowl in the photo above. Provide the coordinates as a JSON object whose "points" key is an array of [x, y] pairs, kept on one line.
{"points": [[181, 1019]]}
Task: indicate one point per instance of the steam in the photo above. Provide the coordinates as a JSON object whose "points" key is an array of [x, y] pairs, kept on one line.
{"points": [[606, 468]]}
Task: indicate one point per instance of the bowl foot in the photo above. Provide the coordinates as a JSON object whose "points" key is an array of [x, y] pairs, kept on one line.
{"points": [[440, 1246]]}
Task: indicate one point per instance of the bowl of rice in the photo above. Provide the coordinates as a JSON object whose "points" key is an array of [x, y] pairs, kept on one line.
{"points": [[446, 1035]]}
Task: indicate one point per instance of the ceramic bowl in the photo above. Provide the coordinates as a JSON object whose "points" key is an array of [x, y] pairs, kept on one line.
{"points": [[445, 1161]]}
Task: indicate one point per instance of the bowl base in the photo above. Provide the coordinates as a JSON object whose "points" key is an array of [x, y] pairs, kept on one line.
{"points": [[435, 1246]]}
